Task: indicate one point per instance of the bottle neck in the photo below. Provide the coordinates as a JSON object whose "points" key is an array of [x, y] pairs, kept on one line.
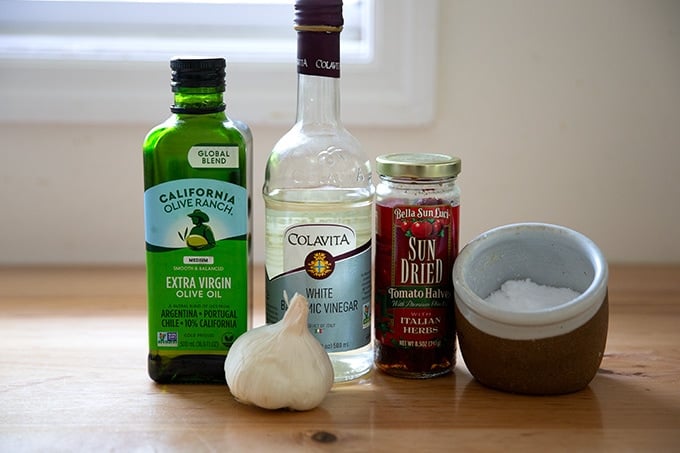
{"points": [[318, 57], [318, 100], [198, 101]]}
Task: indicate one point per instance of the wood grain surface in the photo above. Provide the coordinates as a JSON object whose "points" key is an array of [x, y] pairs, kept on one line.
{"points": [[73, 378]]}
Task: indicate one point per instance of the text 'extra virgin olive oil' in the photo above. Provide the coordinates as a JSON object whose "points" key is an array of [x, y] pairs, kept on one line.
{"points": [[197, 228]]}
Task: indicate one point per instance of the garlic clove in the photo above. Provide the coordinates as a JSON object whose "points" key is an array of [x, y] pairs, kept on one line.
{"points": [[280, 365]]}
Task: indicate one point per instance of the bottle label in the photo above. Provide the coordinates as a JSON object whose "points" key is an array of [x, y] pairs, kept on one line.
{"points": [[323, 263], [197, 264], [206, 156], [416, 247]]}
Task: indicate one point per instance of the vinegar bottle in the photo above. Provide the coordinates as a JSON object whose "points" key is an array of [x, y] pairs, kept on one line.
{"points": [[197, 224], [318, 204]]}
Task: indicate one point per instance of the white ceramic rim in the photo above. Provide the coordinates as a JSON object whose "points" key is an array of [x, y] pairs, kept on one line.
{"points": [[545, 323]]}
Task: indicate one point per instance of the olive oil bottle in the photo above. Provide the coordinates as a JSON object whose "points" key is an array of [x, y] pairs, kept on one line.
{"points": [[197, 228]]}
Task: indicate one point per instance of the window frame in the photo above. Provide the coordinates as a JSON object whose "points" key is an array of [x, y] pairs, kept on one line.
{"points": [[144, 30], [394, 87]]}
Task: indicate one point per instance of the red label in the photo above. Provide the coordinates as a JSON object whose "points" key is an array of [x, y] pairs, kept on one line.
{"points": [[419, 328], [424, 244], [415, 250]]}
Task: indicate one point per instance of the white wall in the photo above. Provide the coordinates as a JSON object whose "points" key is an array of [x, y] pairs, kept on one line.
{"points": [[562, 111]]}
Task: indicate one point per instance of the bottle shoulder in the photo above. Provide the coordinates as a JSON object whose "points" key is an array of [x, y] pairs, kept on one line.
{"points": [[321, 148], [303, 134], [324, 159], [188, 130]]}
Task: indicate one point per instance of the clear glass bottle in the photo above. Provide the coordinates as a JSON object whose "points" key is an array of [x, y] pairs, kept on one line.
{"points": [[318, 204], [417, 231], [197, 223]]}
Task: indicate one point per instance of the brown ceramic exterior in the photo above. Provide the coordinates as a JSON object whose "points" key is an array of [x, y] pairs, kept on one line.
{"points": [[548, 366]]}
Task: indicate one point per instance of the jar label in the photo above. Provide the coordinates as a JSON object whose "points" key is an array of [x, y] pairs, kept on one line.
{"points": [[197, 264], [416, 248]]}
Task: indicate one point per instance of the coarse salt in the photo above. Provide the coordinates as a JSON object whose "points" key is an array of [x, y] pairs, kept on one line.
{"points": [[525, 296]]}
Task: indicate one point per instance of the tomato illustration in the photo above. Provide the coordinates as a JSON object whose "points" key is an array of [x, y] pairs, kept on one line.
{"points": [[437, 226], [421, 229], [405, 225]]}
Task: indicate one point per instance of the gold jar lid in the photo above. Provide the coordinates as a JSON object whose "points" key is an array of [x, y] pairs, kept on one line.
{"points": [[418, 165]]}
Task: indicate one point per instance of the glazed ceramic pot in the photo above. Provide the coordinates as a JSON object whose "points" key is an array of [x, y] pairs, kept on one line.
{"points": [[548, 349]]}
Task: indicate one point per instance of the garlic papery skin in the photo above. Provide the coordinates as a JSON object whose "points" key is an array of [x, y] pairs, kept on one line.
{"points": [[280, 365]]}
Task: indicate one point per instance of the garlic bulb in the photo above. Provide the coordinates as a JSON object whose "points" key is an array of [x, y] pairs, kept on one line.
{"points": [[280, 365]]}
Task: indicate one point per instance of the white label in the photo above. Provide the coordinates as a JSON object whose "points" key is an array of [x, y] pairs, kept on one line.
{"points": [[213, 156], [199, 260], [300, 240]]}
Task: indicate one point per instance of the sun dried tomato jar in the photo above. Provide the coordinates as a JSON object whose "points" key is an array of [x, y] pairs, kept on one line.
{"points": [[417, 219]]}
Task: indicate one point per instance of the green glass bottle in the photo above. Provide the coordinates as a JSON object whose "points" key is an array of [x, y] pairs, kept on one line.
{"points": [[197, 227]]}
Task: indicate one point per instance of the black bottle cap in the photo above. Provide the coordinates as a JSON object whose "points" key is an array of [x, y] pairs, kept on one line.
{"points": [[319, 12], [193, 72]]}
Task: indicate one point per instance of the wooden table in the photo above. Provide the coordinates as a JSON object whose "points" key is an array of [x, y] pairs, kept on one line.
{"points": [[73, 378]]}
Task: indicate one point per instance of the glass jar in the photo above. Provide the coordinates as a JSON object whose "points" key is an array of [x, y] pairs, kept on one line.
{"points": [[417, 224]]}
